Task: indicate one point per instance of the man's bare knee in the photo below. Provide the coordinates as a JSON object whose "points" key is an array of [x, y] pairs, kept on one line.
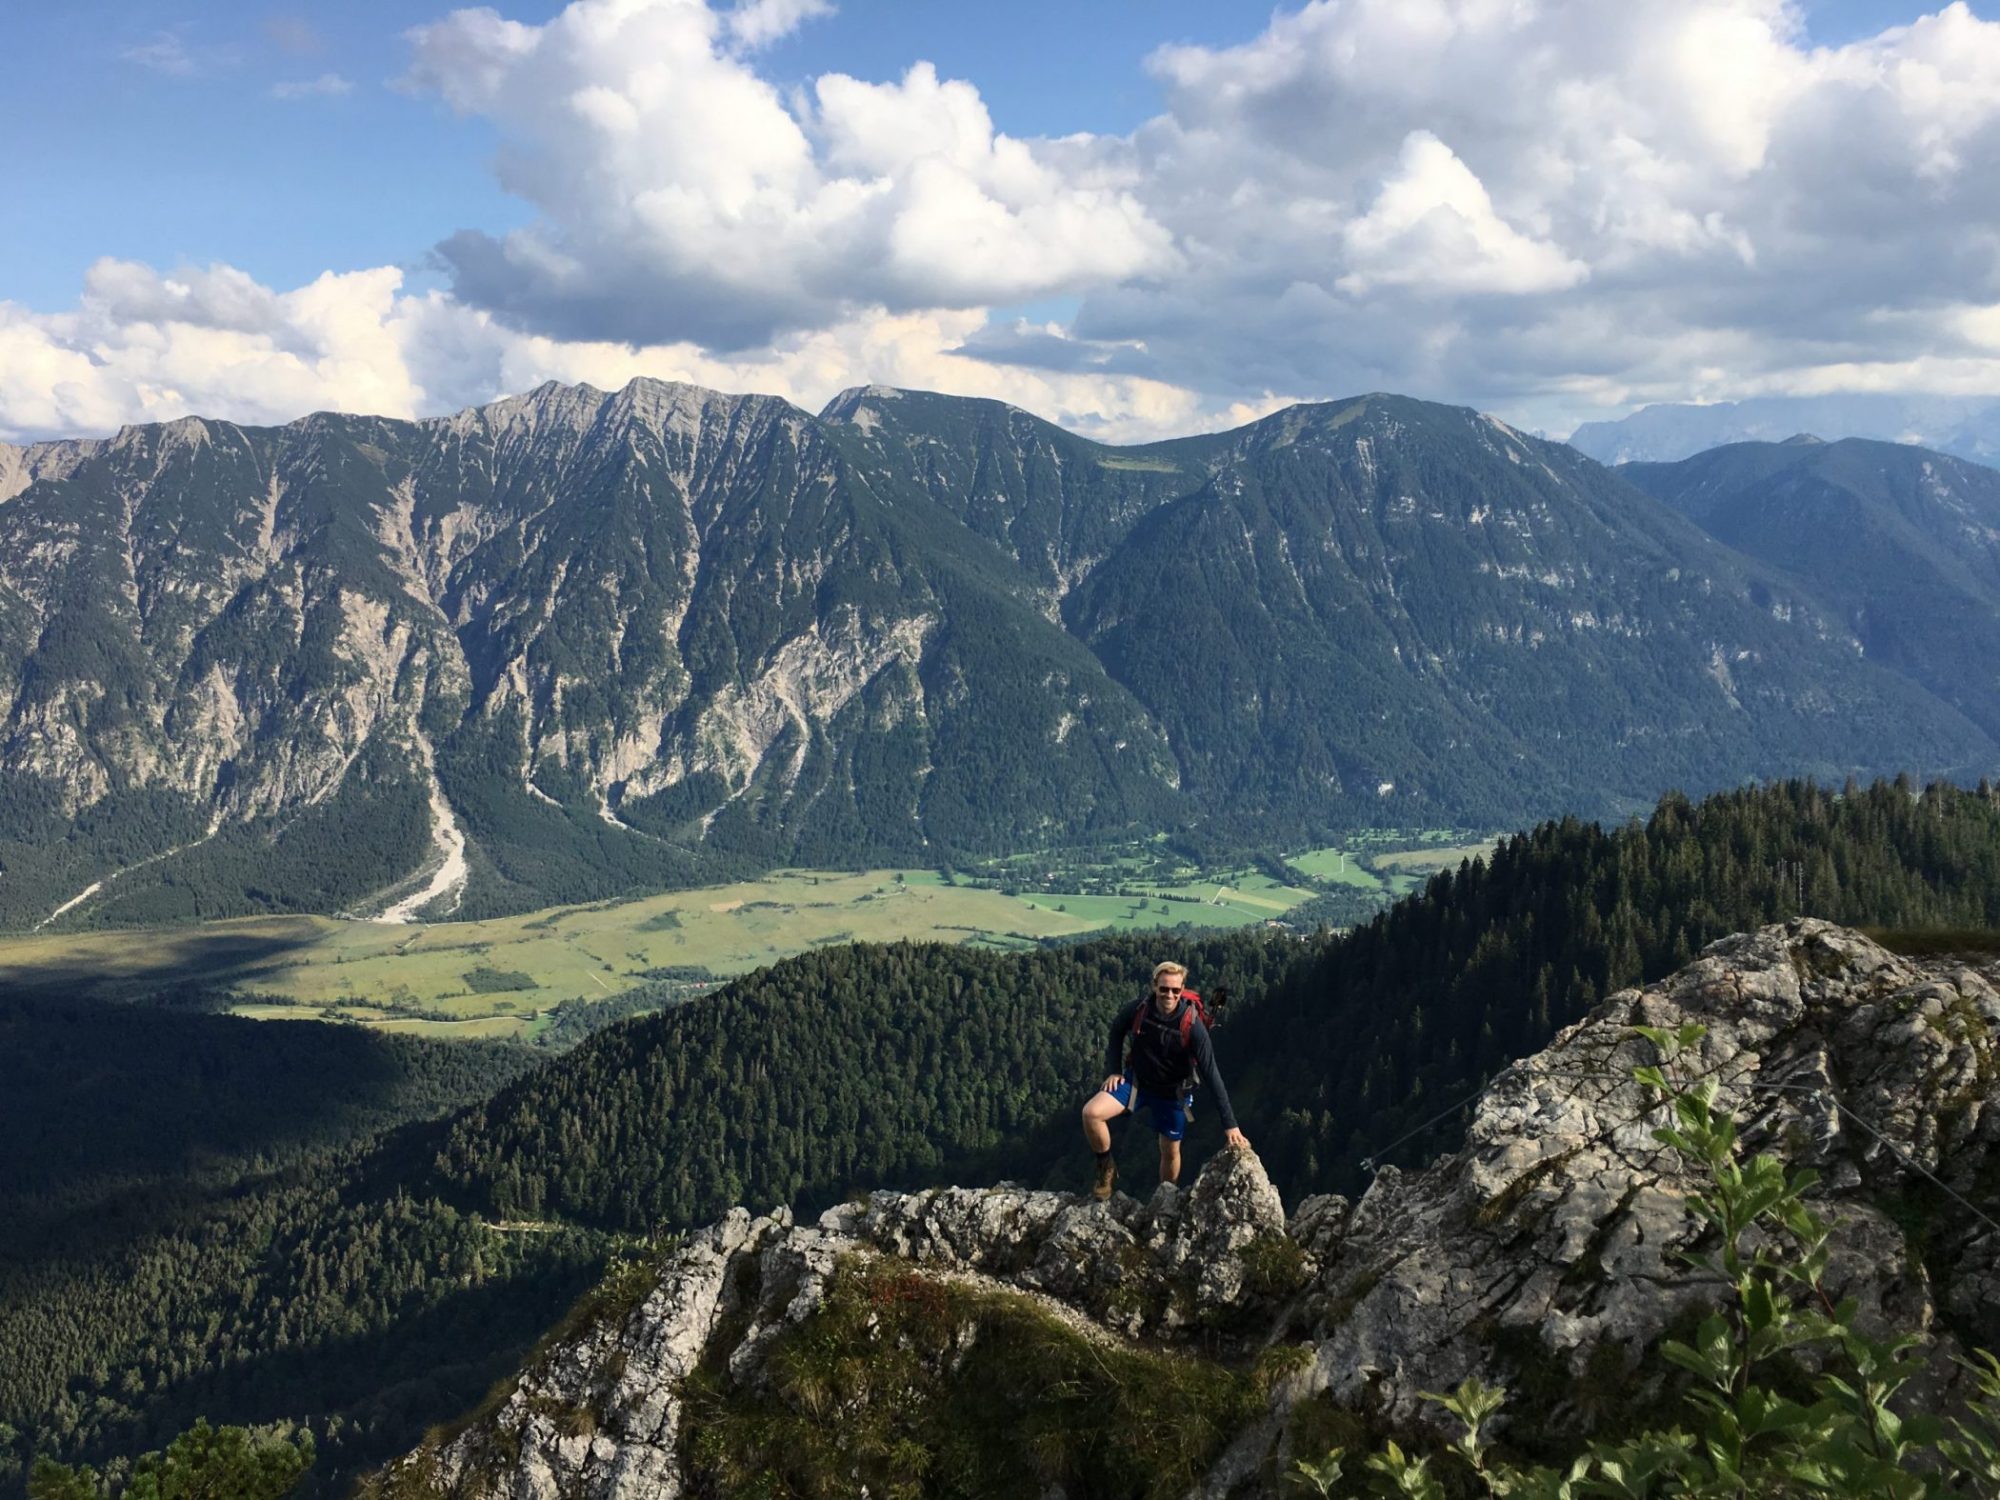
{"points": [[1101, 1106]]}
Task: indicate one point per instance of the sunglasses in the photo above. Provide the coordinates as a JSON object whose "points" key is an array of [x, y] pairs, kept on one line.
{"points": [[1166, 989]]}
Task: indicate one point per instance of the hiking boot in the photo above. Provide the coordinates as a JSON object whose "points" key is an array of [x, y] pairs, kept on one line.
{"points": [[1107, 1177]]}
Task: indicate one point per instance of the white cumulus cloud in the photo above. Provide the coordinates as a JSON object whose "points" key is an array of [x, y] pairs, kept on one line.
{"points": [[1433, 227], [758, 23], [142, 346], [1544, 207], [683, 196]]}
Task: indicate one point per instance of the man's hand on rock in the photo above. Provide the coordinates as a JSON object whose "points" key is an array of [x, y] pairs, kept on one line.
{"points": [[1237, 1140]]}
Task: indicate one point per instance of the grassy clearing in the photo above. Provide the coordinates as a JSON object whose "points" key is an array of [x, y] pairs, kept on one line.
{"points": [[1339, 865], [1394, 861], [297, 968], [1431, 859], [1233, 900], [478, 1029], [282, 1012]]}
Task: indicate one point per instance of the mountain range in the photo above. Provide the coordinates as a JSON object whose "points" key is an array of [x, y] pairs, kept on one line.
{"points": [[578, 643], [1904, 543], [1963, 426]]}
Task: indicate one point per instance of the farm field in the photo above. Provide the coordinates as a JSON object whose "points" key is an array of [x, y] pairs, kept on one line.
{"points": [[502, 976], [1229, 901], [1410, 858], [1340, 865], [1430, 860]]}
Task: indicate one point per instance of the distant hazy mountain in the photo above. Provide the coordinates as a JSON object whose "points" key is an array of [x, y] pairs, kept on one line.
{"points": [[1902, 541], [1965, 426], [578, 643]]}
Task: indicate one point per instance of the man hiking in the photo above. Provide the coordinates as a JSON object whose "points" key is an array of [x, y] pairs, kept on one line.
{"points": [[1170, 1048]]}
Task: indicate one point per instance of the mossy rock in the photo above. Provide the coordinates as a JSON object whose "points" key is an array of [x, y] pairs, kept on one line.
{"points": [[916, 1386]]}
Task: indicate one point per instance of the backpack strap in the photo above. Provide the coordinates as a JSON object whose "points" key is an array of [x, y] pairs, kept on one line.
{"points": [[1191, 1007]]}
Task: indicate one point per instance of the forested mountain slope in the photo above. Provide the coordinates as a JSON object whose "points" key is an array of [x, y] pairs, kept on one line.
{"points": [[370, 1286], [111, 1112], [1901, 542], [173, 1239], [1057, 504], [898, 1064], [1417, 605], [576, 644]]}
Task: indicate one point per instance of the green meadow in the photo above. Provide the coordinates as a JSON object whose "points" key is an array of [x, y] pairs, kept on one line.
{"points": [[1338, 866], [501, 977]]}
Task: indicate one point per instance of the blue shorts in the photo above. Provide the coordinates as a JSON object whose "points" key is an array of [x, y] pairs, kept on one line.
{"points": [[1167, 1113]]}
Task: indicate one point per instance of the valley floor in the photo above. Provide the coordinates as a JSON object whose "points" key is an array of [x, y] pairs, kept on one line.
{"points": [[502, 977]]}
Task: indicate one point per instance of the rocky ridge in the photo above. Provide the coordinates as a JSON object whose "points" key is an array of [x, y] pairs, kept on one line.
{"points": [[1546, 1255]]}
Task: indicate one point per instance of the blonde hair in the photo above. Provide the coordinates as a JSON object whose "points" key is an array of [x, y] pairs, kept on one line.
{"points": [[1169, 967]]}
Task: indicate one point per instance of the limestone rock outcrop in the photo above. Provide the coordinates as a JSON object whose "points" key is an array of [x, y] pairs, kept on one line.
{"points": [[1547, 1255], [1557, 1236]]}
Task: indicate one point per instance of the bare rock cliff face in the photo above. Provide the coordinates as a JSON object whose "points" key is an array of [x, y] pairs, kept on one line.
{"points": [[1547, 1255], [599, 621]]}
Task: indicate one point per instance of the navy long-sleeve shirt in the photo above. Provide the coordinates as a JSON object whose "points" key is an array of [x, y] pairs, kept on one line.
{"points": [[1159, 1061]]}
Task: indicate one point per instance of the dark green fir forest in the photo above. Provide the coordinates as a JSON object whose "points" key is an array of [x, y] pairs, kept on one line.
{"points": [[359, 1236]]}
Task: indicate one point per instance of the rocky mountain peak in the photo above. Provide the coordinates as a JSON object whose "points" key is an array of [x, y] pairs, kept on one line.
{"points": [[665, 401], [843, 406], [869, 406], [1548, 1255], [163, 440], [22, 466], [1375, 424], [561, 419], [549, 406]]}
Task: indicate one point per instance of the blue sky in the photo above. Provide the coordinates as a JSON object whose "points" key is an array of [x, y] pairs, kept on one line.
{"points": [[151, 132], [1238, 220]]}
